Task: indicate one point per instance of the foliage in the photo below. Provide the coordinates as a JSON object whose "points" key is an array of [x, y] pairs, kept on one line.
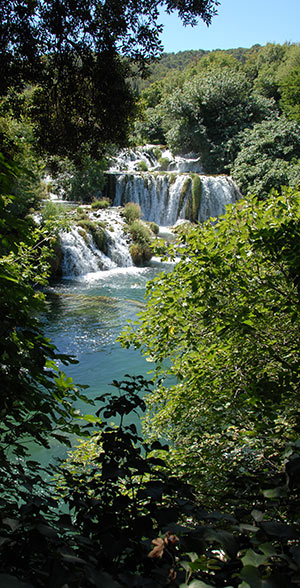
{"points": [[132, 211], [154, 227], [290, 94], [216, 60], [142, 238], [36, 396], [223, 325], [140, 232], [52, 210], [100, 204], [78, 58], [164, 163], [196, 197], [118, 498], [17, 145], [142, 166], [85, 181], [208, 114], [269, 157]]}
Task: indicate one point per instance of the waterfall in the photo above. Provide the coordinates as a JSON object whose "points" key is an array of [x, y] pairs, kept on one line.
{"points": [[166, 198], [165, 192], [179, 191], [80, 255], [217, 193]]}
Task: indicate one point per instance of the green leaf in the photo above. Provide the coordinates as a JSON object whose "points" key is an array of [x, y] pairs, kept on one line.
{"points": [[251, 558]]}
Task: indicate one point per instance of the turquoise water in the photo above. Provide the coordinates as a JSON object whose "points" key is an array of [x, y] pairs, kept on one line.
{"points": [[86, 316]]}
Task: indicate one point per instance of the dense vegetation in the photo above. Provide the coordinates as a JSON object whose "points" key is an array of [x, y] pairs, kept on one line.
{"points": [[224, 324], [230, 106]]}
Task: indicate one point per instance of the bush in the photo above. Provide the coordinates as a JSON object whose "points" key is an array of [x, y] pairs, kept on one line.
{"points": [[132, 211], [140, 233], [17, 144], [268, 158], [142, 166], [52, 210], [164, 163], [84, 183], [154, 228], [140, 253], [103, 203]]}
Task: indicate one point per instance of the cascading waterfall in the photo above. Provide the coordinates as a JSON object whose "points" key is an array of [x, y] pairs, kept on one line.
{"points": [[180, 191], [80, 255], [165, 198], [169, 195], [158, 195]]}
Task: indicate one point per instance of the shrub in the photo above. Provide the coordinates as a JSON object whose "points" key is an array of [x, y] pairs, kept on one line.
{"points": [[154, 228], [103, 203], [52, 210], [164, 163], [140, 253], [84, 183], [132, 211], [140, 233], [81, 214], [142, 166]]}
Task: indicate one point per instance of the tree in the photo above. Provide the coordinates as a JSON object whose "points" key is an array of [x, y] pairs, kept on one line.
{"points": [[79, 55], [290, 94], [36, 397], [222, 327], [268, 158], [209, 112]]}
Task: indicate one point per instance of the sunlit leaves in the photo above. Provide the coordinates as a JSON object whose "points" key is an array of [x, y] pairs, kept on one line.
{"points": [[224, 325]]}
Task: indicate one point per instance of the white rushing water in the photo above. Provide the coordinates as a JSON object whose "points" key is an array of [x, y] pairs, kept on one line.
{"points": [[81, 256], [164, 191], [165, 197]]}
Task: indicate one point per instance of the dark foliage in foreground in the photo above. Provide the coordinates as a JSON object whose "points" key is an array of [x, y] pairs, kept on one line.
{"points": [[124, 500]]}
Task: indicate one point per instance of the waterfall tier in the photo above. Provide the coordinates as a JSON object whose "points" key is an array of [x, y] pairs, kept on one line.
{"points": [[166, 198], [80, 255], [153, 158], [179, 192]]}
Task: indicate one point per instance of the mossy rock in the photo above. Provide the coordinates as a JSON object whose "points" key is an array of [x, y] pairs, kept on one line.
{"points": [[196, 197], [184, 190], [98, 233]]}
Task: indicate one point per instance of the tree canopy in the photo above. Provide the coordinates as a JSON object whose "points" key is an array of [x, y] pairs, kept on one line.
{"points": [[223, 324], [79, 55]]}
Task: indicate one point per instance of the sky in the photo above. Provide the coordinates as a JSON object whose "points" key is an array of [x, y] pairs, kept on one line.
{"points": [[240, 23]]}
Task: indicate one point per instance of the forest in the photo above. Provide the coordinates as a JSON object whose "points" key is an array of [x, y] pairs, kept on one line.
{"points": [[207, 495]]}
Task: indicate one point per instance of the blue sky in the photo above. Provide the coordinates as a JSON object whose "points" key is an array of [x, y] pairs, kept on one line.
{"points": [[240, 23]]}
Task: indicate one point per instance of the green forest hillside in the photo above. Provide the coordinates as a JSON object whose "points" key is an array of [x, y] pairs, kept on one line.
{"points": [[239, 109], [180, 60]]}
